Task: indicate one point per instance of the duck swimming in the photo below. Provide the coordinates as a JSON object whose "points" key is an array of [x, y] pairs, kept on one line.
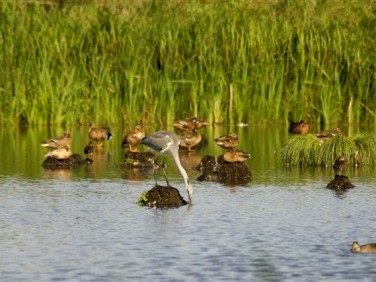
{"points": [[228, 142], [58, 142], [299, 127], [133, 138], [235, 156], [99, 134], [368, 248]]}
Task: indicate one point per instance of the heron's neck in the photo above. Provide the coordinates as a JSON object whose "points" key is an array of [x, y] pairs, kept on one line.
{"points": [[181, 168], [188, 186]]}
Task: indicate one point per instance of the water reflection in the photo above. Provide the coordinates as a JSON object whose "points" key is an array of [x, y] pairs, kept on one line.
{"points": [[190, 160], [60, 173]]}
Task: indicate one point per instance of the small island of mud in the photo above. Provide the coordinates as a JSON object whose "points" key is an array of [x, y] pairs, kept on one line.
{"points": [[218, 170], [340, 182], [139, 160], [75, 160], [162, 197]]}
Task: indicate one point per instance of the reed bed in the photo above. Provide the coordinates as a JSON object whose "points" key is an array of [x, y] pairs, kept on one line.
{"points": [[69, 62], [309, 150]]}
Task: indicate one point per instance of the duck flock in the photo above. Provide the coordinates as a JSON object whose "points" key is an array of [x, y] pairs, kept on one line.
{"points": [[190, 140]]}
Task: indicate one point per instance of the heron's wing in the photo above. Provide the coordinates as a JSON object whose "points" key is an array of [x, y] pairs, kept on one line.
{"points": [[160, 141]]}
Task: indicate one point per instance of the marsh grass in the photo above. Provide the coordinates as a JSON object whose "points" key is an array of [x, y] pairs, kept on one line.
{"points": [[68, 62], [308, 150]]}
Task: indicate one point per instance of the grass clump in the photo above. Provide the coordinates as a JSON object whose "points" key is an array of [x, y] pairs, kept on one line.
{"points": [[142, 199], [309, 150]]}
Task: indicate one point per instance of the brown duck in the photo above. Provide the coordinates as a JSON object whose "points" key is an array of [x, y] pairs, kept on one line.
{"points": [[189, 139], [228, 142], [183, 125], [368, 248], [340, 164], [60, 154], [326, 134], [299, 127], [99, 134], [198, 122], [235, 156], [58, 142], [133, 138], [190, 124]]}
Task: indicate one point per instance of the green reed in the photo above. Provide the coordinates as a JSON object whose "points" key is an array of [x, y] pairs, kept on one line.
{"points": [[155, 61]]}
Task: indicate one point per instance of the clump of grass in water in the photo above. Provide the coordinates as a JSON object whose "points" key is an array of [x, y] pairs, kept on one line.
{"points": [[308, 150], [142, 199]]}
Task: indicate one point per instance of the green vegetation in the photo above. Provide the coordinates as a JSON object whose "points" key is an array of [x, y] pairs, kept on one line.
{"points": [[71, 62], [142, 199], [309, 150]]}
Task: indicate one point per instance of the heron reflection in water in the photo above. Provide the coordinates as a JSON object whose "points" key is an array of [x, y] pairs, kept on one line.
{"points": [[166, 141]]}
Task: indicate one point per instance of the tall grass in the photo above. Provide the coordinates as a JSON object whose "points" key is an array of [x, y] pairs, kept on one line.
{"points": [[67, 62]]}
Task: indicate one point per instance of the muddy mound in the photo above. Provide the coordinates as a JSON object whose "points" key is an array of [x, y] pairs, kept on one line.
{"points": [[236, 173], [74, 160], [162, 197], [340, 182], [138, 160]]}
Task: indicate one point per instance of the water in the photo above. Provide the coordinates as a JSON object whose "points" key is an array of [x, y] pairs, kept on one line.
{"points": [[84, 225]]}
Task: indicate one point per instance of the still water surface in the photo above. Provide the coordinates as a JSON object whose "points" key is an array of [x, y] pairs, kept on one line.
{"points": [[84, 225]]}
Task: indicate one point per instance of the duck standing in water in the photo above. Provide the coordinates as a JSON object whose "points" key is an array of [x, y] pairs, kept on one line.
{"points": [[228, 142], [299, 127], [58, 142], [190, 139], [235, 156], [340, 164], [368, 248], [133, 138], [99, 134]]}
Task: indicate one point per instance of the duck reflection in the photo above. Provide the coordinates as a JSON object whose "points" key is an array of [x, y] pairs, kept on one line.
{"points": [[190, 160], [61, 173], [99, 160]]}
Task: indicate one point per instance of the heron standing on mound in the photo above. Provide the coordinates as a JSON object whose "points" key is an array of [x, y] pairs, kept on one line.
{"points": [[166, 141]]}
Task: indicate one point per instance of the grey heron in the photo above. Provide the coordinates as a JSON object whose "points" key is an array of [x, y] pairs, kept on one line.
{"points": [[166, 141]]}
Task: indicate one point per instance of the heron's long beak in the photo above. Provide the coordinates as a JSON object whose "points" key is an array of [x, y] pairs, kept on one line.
{"points": [[190, 192]]}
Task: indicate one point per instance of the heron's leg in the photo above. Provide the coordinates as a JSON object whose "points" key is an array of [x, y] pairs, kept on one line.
{"points": [[155, 167], [165, 175]]}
